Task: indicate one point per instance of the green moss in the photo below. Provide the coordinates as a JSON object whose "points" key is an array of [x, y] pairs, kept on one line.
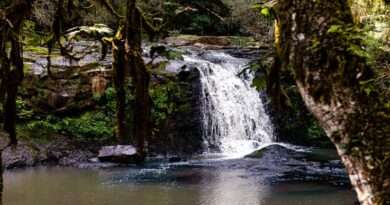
{"points": [[36, 49], [27, 67], [24, 111], [243, 41], [238, 41], [321, 155], [175, 55], [31, 35], [256, 155], [188, 37]]}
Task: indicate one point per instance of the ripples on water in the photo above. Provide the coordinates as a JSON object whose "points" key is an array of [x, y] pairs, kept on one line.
{"points": [[205, 182]]}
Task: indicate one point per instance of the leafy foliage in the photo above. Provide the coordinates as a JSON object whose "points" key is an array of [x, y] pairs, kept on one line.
{"points": [[31, 36], [24, 111], [163, 104], [357, 40], [88, 126]]}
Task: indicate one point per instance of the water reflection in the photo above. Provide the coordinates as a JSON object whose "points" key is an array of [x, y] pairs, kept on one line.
{"points": [[232, 188], [155, 186]]}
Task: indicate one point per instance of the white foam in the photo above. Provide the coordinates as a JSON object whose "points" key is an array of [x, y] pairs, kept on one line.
{"points": [[234, 117]]}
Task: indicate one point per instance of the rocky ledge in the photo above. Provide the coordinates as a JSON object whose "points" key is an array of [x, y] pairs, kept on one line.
{"points": [[59, 150], [314, 164]]}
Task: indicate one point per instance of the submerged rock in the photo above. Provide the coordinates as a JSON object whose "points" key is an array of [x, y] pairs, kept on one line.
{"points": [[125, 154]]}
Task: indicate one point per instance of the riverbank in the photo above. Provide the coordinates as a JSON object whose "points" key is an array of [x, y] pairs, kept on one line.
{"points": [[58, 150]]}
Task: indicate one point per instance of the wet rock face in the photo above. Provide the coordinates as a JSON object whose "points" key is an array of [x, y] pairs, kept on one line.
{"points": [[276, 151], [311, 165], [213, 42], [59, 151], [181, 134], [73, 85], [58, 95], [188, 121]]}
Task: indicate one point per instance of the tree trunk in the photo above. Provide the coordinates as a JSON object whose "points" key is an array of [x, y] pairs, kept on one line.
{"points": [[10, 113], [12, 64], [329, 76], [142, 105], [140, 76], [119, 79], [14, 80], [1, 178]]}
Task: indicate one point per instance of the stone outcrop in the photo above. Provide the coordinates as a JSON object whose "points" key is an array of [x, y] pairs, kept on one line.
{"points": [[124, 154], [59, 150], [72, 87], [309, 165], [212, 42]]}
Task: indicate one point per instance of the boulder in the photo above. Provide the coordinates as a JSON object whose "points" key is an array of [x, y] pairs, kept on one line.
{"points": [[319, 155], [124, 154], [273, 150], [57, 100], [313, 165], [22, 155]]}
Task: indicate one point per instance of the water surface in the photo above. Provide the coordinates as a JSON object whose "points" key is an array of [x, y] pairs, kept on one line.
{"points": [[180, 184]]}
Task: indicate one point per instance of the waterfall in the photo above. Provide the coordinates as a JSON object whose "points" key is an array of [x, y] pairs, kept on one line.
{"points": [[233, 114]]}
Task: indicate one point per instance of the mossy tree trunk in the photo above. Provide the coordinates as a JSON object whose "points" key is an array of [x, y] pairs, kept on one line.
{"points": [[329, 75], [119, 78], [11, 66], [11, 21], [140, 76]]}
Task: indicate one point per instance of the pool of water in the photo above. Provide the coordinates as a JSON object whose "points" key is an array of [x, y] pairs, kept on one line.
{"points": [[212, 183]]}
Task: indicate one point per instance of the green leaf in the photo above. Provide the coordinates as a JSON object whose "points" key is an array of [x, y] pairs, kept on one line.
{"points": [[334, 29], [265, 12]]}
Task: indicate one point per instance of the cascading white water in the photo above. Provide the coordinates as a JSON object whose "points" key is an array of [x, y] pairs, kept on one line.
{"points": [[234, 119]]}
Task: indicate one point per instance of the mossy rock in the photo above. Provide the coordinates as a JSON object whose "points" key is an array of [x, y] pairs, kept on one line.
{"points": [[321, 155], [222, 41], [37, 50], [278, 151], [168, 53], [272, 149]]}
